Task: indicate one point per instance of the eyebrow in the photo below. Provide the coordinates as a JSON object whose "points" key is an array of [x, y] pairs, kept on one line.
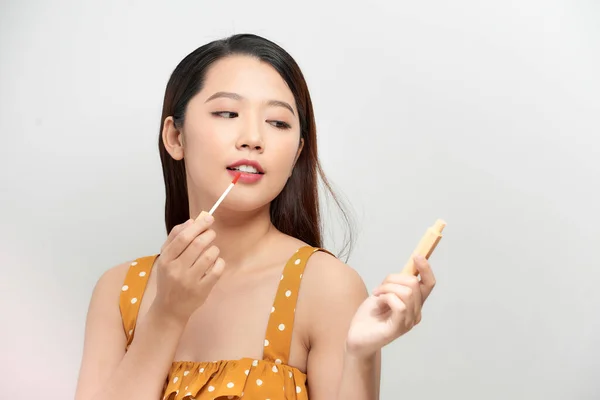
{"points": [[235, 96]]}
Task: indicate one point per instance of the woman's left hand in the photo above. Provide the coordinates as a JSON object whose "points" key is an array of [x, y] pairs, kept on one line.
{"points": [[392, 310]]}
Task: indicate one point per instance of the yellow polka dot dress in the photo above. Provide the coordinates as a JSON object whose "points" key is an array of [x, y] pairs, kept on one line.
{"points": [[269, 378]]}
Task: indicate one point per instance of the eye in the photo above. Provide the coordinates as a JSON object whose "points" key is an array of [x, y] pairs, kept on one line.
{"points": [[280, 124], [225, 114]]}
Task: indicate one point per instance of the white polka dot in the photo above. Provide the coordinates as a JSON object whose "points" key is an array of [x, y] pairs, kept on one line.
{"points": [[266, 342], [297, 261], [188, 394], [300, 276], [201, 370], [288, 293], [275, 369], [247, 372], [290, 374], [281, 327], [278, 361], [134, 300], [133, 264], [142, 274], [230, 385], [258, 382], [186, 388], [281, 278], [212, 389], [298, 389], [186, 373], [254, 363], [272, 309], [124, 288], [175, 379]]}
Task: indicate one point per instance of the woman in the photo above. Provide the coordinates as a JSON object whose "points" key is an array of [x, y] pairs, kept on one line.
{"points": [[223, 299]]}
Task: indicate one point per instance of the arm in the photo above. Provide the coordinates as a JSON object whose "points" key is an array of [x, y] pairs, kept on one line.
{"points": [[107, 371], [186, 270], [335, 291]]}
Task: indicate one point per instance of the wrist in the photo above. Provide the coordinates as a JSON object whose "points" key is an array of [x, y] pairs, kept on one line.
{"points": [[165, 319], [358, 355]]}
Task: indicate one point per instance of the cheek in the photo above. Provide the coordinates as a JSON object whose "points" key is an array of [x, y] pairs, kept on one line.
{"points": [[204, 140], [283, 158], [203, 153]]}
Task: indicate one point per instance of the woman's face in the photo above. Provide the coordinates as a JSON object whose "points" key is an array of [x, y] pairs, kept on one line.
{"points": [[244, 119]]}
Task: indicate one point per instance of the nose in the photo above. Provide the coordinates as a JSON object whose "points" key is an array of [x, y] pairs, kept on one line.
{"points": [[251, 139]]}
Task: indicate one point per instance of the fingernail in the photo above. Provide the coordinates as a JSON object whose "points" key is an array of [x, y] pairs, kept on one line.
{"points": [[419, 258], [209, 218]]}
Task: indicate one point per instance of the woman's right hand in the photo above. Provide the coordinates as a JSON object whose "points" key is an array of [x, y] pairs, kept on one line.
{"points": [[187, 268]]}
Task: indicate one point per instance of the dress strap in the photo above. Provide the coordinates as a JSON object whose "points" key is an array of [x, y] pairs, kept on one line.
{"points": [[278, 338], [132, 292]]}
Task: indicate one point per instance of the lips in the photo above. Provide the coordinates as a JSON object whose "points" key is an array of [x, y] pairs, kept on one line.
{"points": [[247, 166], [251, 171]]}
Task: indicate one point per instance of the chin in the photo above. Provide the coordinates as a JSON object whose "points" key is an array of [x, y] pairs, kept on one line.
{"points": [[243, 203]]}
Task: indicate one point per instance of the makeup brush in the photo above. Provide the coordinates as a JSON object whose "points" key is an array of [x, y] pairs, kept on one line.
{"points": [[225, 193]]}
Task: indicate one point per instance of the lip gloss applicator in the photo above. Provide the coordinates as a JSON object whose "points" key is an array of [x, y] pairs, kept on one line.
{"points": [[425, 248], [225, 193]]}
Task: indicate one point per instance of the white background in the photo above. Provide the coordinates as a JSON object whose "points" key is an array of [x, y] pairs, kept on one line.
{"points": [[486, 114]]}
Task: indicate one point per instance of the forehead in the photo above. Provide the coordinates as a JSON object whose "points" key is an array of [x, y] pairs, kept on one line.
{"points": [[247, 76]]}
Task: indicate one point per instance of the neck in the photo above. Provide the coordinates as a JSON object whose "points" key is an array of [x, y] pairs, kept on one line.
{"points": [[240, 234]]}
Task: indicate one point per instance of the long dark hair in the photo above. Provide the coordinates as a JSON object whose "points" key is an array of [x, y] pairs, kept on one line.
{"points": [[296, 210]]}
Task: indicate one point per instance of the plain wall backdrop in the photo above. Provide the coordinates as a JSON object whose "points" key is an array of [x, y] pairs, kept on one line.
{"points": [[484, 113]]}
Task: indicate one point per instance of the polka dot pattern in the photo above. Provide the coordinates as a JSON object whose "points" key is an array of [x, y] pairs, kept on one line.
{"points": [[232, 379]]}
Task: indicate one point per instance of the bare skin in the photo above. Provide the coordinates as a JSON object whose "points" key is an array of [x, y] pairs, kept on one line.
{"points": [[236, 314], [188, 316]]}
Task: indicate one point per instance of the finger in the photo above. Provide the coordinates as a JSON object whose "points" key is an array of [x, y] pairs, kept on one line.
{"points": [[182, 240], [427, 276], [204, 262], [213, 274], [398, 309], [410, 294], [174, 232], [405, 280], [197, 248], [412, 282], [407, 294]]}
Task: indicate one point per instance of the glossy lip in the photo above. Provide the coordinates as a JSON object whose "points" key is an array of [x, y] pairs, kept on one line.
{"points": [[246, 177], [251, 163]]}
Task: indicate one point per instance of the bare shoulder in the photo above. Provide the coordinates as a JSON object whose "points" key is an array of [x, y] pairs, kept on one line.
{"points": [[112, 279], [326, 278], [107, 289]]}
